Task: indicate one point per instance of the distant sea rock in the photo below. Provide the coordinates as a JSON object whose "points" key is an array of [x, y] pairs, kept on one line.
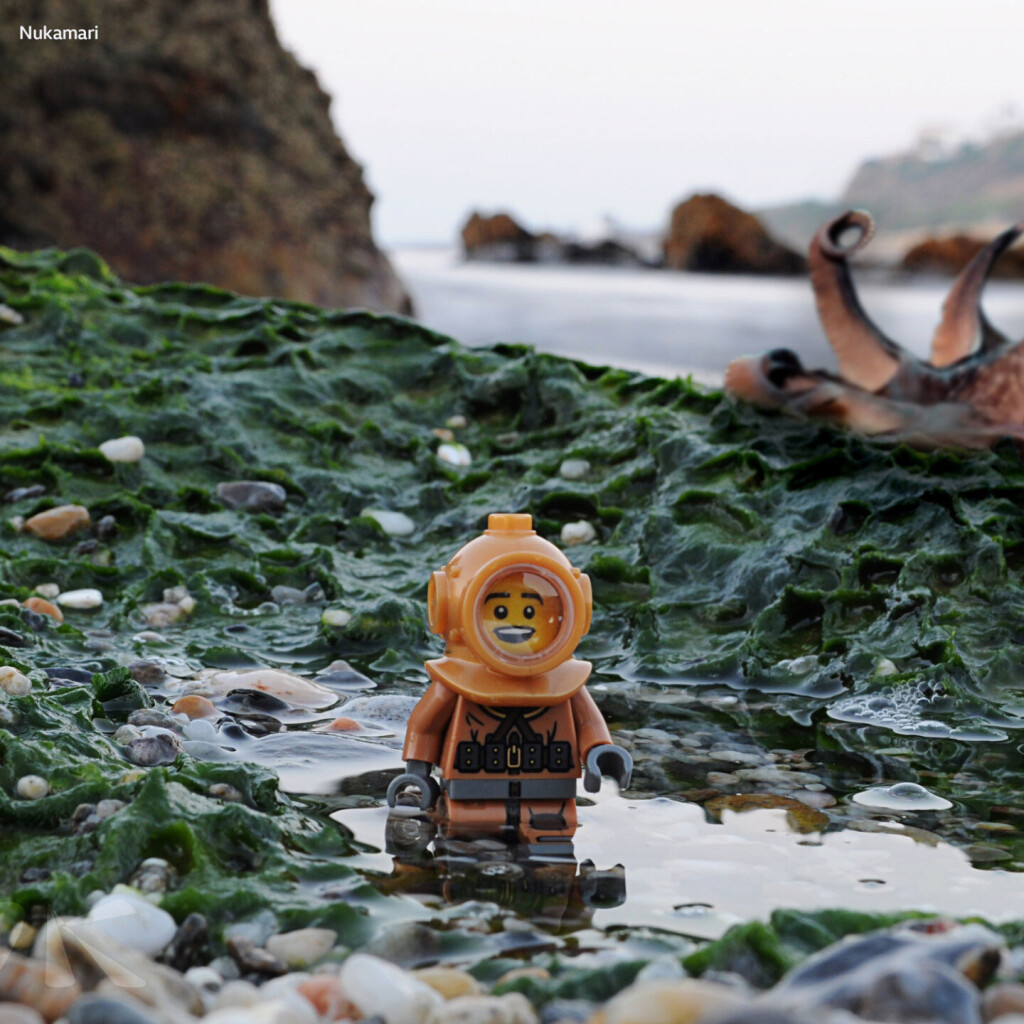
{"points": [[500, 238], [184, 144], [948, 255], [707, 233]]}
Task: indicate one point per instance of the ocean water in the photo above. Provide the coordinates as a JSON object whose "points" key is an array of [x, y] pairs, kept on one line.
{"points": [[663, 322]]}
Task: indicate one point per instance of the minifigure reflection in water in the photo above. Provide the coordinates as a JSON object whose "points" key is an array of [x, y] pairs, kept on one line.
{"points": [[507, 719]]}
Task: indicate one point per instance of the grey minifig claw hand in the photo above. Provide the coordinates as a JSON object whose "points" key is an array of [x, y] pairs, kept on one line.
{"points": [[416, 774], [607, 759]]}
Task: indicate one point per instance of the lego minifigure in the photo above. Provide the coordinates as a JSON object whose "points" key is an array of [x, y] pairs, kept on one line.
{"points": [[507, 718]]}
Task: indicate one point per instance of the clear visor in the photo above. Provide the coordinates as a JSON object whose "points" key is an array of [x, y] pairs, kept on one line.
{"points": [[523, 614]]}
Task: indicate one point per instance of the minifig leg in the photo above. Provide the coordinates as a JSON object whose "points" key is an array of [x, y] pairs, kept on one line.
{"points": [[472, 819], [547, 827]]}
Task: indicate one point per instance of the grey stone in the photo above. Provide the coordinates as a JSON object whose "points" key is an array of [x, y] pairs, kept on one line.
{"points": [[94, 1009]]}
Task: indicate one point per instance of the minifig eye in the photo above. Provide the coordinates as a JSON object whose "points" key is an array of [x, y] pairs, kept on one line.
{"points": [[529, 611], [501, 612]]}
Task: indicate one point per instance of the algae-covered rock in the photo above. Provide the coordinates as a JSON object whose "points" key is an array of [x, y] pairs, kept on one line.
{"points": [[752, 576]]}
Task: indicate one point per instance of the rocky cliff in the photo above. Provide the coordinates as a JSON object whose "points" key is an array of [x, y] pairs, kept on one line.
{"points": [[184, 144]]}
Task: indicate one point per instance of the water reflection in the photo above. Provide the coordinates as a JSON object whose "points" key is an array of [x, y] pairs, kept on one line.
{"points": [[555, 892]]}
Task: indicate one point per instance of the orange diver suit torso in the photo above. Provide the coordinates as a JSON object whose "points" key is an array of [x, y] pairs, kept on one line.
{"points": [[507, 741]]}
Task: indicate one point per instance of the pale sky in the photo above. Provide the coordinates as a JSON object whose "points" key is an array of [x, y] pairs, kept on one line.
{"points": [[562, 111]]}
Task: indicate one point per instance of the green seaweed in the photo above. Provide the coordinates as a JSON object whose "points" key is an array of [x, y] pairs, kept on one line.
{"points": [[739, 554]]}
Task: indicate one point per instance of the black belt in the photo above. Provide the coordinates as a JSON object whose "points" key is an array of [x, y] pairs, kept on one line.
{"points": [[502, 789]]}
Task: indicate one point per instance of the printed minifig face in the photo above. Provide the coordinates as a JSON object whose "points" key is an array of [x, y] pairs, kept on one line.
{"points": [[521, 614]]}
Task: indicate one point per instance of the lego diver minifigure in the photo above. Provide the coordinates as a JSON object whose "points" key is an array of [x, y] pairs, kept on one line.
{"points": [[507, 718]]}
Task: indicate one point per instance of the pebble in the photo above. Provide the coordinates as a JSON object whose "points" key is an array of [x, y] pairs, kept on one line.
{"points": [[454, 454], [17, 523], [574, 469], [327, 996], [32, 787], [108, 808], [290, 1009], [443, 434], [106, 527], [161, 614], [251, 957], [344, 725], [394, 524], [10, 316], [903, 796], [287, 595], [125, 734], [43, 607], [22, 936], [57, 523], [45, 987], [1003, 998], [578, 533], [185, 948], [512, 1008], [376, 986], [302, 947], [669, 1002], [457, 422], [237, 992], [80, 599], [14, 682], [132, 921], [14, 1013], [147, 672], [195, 707], [153, 874], [48, 590], [123, 449], [102, 1009], [540, 973], [147, 751], [449, 981], [336, 617], [24, 493], [226, 792], [252, 495]]}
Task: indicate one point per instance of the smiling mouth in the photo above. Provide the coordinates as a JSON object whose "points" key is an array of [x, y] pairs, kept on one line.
{"points": [[514, 634]]}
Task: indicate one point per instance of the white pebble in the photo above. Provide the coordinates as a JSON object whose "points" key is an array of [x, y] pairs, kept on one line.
{"points": [[578, 533], [123, 449], [885, 667], [125, 734], [456, 422], [88, 598], [395, 524], [378, 987], [133, 921], [290, 1009], [13, 682], [336, 617], [454, 454], [10, 316], [201, 729], [237, 992], [574, 469], [17, 523], [302, 947], [512, 1008], [48, 590], [32, 787]]}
